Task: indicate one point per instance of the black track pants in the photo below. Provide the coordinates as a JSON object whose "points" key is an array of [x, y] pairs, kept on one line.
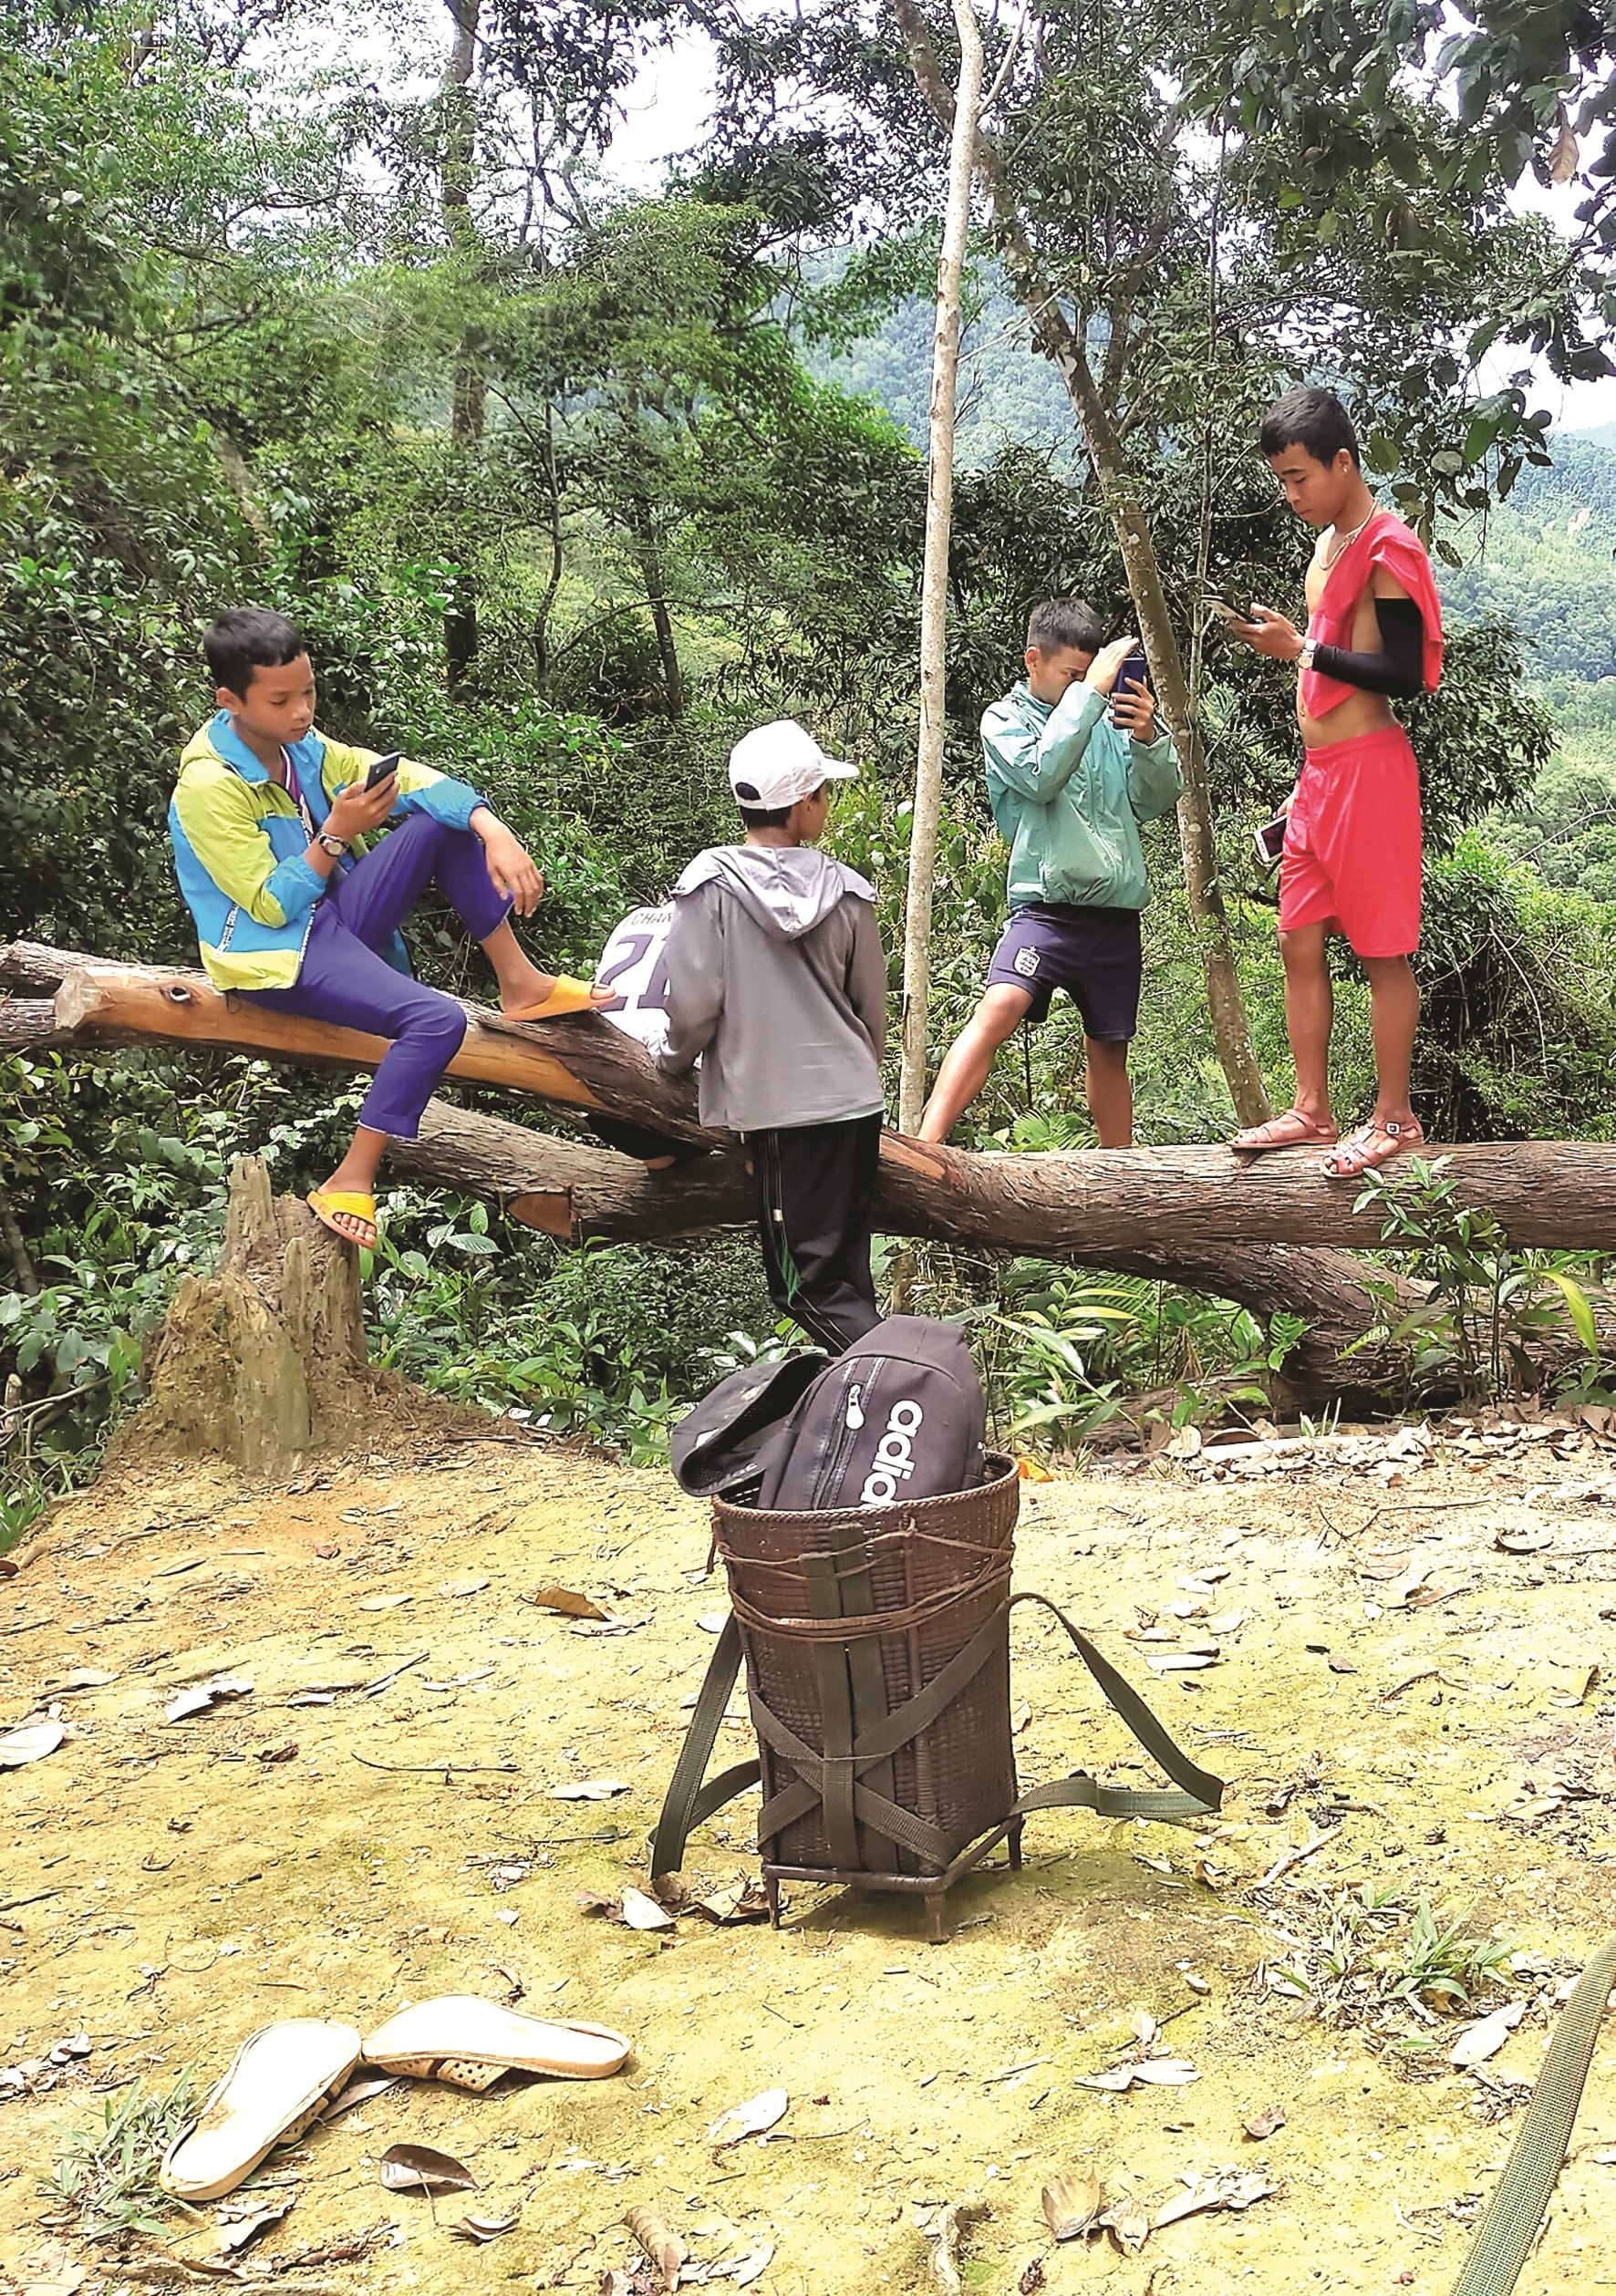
{"points": [[815, 1186]]}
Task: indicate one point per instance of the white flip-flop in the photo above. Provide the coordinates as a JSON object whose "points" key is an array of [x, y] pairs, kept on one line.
{"points": [[281, 2080], [470, 2042]]}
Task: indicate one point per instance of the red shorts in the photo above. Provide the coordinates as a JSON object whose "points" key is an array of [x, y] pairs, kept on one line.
{"points": [[1352, 857]]}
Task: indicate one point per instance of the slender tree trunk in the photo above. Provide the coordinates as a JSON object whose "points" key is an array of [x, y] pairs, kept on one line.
{"points": [[1060, 343], [541, 630], [16, 1246], [469, 399], [649, 558], [934, 580]]}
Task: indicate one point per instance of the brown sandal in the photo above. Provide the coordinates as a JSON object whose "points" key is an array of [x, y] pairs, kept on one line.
{"points": [[1352, 1157], [1306, 1132]]}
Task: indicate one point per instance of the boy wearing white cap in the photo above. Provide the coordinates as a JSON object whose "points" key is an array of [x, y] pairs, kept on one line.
{"points": [[777, 983]]}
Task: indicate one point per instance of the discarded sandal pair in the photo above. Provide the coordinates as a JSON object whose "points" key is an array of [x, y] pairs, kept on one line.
{"points": [[283, 2076]]}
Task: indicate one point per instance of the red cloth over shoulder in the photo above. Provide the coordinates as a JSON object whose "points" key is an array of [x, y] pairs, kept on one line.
{"points": [[1386, 542]]}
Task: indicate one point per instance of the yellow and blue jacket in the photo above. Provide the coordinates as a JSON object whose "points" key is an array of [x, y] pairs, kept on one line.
{"points": [[239, 843]]}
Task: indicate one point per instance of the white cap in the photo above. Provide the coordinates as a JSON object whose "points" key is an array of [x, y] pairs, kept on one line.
{"points": [[780, 764]]}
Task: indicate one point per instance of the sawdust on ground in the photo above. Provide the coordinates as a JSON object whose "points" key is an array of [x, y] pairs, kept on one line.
{"points": [[170, 1886]]}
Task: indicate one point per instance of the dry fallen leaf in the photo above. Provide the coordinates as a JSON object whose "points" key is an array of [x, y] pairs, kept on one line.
{"points": [[1262, 2126], [456, 1587], [1161, 2073], [1524, 1542], [1032, 2279], [385, 1602], [418, 2169], [1128, 2224], [713, 1622], [741, 1901], [1020, 1718], [589, 1790], [207, 1695], [564, 1601], [1070, 2205], [1482, 2040], [1143, 2027], [1180, 1661], [234, 2238], [663, 2246], [758, 2115], [483, 2228], [86, 1677], [1590, 1681], [1383, 1565], [1225, 2188], [744, 2269], [640, 1912]]}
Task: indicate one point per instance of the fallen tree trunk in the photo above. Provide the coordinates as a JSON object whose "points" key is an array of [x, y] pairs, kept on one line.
{"points": [[589, 1194], [1180, 1203], [1247, 1231]]}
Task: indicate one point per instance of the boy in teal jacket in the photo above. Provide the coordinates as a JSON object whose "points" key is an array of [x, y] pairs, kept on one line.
{"points": [[1073, 770], [269, 821]]}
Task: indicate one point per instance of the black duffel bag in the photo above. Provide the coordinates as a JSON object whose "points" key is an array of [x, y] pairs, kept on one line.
{"points": [[900, 1415]]}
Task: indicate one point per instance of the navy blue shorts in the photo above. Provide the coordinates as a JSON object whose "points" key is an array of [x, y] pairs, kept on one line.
{"points": [[1092, 953]]}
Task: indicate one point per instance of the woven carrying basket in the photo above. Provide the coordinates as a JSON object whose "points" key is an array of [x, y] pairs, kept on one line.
{"points": [[856, 1612]]}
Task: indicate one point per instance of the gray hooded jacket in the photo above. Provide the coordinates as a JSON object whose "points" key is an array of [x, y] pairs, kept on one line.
{"points": [[777, 982]]}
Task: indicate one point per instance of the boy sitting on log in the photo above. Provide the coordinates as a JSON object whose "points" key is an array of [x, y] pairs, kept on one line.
{"points": [[777, 982], [268, 820], [1071, 774]]}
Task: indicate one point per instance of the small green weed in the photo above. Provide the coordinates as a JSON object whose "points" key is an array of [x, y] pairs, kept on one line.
{"points": [[106, 2175], [1376, 1952]]}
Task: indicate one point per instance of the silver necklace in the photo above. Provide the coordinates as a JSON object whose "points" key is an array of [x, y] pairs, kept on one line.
{"points": [[1343, 543]]}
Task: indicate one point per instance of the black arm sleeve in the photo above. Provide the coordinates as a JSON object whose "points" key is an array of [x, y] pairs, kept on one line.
{"points": [[1399, 670]]}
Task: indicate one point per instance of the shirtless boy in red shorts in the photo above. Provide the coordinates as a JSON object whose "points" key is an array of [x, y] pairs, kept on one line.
{"points": [[1351, 858]]}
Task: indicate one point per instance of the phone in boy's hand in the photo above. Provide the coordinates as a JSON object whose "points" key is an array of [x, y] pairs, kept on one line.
{"points": [[383, 769], [1135, 674], [1269, 841], [1222, 611]]}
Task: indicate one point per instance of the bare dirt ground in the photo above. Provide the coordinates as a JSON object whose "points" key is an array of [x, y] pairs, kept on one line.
{"points": [[169, 1885]]}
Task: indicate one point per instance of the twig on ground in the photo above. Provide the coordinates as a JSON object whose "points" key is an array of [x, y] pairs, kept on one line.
{"points": [[432, 1769], [1283, 1866]]}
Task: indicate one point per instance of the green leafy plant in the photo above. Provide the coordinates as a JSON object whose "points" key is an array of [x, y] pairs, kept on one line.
{"points": [[1485, 1301], [105, 2181]]}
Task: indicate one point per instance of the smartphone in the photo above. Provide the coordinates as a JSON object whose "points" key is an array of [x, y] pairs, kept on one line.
{"points": [[383, 769], [1269, 841], [1222, 611], [1134, 672]]}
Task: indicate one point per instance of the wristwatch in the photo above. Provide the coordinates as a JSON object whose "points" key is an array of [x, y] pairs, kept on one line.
{"points": [[1309, 647], [334, 846]]}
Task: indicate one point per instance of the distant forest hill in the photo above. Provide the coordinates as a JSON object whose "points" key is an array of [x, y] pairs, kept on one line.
{"points": [[1545, 557]]}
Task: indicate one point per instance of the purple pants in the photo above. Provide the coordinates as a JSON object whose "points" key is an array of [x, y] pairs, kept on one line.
{"points": [[346, 981]]}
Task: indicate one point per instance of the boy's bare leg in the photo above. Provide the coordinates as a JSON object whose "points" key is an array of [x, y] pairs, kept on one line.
{"points": [[1394, 1009], [356, 1176], [1310, 1012], [521, 981], [970, 1056], [1109, 1091]]}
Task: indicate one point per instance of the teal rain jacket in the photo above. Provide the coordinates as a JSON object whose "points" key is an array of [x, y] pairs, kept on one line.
{"points": [[1069, 791]]}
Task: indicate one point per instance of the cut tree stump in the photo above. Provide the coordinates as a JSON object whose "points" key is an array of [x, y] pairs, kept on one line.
{"points": [[265, 1359]]}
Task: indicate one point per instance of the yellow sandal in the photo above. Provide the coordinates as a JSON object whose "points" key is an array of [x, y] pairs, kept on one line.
{"points": [[567, 996], [324, 1202]]}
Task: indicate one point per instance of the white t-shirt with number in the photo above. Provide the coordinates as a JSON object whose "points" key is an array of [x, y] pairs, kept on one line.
{"points": [[633, 965]]}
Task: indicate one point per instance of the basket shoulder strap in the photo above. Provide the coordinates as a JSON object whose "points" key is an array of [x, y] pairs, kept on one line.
{"points": [[688, 1802], [1507, 2231], [1200, 1793]]}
